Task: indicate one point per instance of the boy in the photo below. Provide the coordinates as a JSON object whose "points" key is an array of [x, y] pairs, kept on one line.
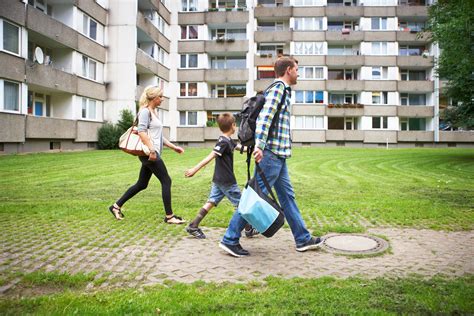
{"points": [[223, 181]]}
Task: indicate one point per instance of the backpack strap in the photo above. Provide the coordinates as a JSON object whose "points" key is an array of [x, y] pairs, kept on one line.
{"points": [[280, 105]]}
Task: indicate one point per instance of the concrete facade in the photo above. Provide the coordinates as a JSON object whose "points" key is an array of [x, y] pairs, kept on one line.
{"points": [[99, 57]]}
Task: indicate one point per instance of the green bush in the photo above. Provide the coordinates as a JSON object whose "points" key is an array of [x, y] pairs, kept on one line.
{"points": [[126, 120], [108, 136]]}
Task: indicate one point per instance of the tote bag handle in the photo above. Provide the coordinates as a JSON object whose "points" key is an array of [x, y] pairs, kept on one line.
{"points": [[265, 182]]}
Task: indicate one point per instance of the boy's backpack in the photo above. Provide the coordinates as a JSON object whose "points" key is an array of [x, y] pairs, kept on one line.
{"points": [[249, 114], [248, 120]]}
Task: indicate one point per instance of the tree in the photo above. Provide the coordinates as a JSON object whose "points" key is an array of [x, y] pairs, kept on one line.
{"points": [[109, 134], [451, 25], [126, 120]]}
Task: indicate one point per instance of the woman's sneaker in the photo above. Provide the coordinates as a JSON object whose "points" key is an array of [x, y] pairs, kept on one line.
{"points": [[313, 243], [196, 232]]}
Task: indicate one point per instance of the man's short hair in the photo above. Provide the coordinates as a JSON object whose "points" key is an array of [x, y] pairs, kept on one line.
{"points": [[225, 121], [282, 64]]}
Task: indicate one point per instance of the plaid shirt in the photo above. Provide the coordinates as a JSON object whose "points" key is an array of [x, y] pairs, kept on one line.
{"points": [[279, 142]]}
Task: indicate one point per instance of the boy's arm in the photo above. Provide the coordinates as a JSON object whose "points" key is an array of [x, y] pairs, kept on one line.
{"points": [[191, 172]]}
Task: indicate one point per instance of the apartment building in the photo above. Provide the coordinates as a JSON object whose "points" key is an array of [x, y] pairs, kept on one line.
{"points": [[366, 75]]}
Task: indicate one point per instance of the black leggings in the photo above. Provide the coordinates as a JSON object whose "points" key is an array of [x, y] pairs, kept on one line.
{"points": [[148, 168]]}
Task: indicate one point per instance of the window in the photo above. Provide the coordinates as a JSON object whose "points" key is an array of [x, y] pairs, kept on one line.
{"points": [[188, 5], [308, 96], [413, 75], [89, 68], [309, 48], [379, 122], [226, 34], [269, 49], [89, 109], [410, 50], [379, 24], [308, 24], [311, 72], [412, 99], [342, 50], [228, 62], [189, 61], [189, 32], [380, 97], [228, 91], [188, 89], [227, 4], [309, 122], [187, 118], [265, 72], [336, 98], [379, 48], [342, 123], [342, 74], [270, 26], [379, 73], [350, 123], [89, 27], [412, 124], [412, 26], [11, 38], [11, 96]]}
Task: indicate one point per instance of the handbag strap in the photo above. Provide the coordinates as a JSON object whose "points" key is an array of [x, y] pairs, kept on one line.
{"points": [[265, 182]]}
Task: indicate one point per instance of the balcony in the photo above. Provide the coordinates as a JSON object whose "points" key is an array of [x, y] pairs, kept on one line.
{"points": [[390, 61], [162, 10], [273, 36], [191, 18], [273, 12], [191, 75], [53, 79], [415, 111], [378, 36], [13, 128], [152, 31], [308, 11], [345, 85], [344, 12], [303, 36], [262, 84], [342, 135], [190, 104], [414, 62], [147, 64], [223, 104], [14, 10], [416, 86], [229, 45], [301, 109], [415, 136], [195, 47], [50, 128], [94, 10], [226, 75], [412, 11], [190, 134], [304, 136], [389, 11], [380, 85], [91, 89], [380, 110], [338, 37], [380, 137], [350, 61], [87, 131], [226, 17], [458, 137], [212, 133], [345, 110], [413, 37]]}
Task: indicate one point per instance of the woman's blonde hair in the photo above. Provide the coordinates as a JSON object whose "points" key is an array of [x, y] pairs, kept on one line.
{"points": [[149, 94]]}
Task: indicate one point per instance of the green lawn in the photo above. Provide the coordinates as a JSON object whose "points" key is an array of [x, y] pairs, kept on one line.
{"points": [[336, 189], [61, 200]]}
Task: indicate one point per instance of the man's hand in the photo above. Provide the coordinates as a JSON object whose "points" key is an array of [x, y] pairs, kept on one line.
{"points": [[257, 154], [152, 156]]}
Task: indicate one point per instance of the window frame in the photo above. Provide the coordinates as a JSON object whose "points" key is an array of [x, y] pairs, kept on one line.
{"points": [[87, 114], [382, 48], [380, 21], [187, 59], [315, 96], [188, 3], [382, 121], [187, 118], [187, 90], [87, 31], [88, 67], [315, 69], [3, 96], [187, 27], [314, 118], [19, 37]]}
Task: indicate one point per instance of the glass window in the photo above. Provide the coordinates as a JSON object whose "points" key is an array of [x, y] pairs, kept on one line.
{"points": [[11, 38], [319, 97], [92, 69], [299, 96], [376, 122], [93, 29], [193, 61], [309, 97], [84, 108], [235, 91], [193, 32], [192, 118], [192, 89], [92, 109], [11, 96], [182, 118], [183, 61], [376, 73]]}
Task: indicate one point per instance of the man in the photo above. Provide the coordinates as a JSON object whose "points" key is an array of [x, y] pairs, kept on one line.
{"points": [[271, 151]]}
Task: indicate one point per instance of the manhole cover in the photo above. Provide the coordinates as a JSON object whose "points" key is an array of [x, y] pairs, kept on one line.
{"points": [[352, 244]]}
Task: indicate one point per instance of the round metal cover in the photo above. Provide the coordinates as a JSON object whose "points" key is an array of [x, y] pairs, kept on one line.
{"points": [[354, 244]]}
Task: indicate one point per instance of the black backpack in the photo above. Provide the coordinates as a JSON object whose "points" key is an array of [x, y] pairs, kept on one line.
{"points": [[248, 120]]}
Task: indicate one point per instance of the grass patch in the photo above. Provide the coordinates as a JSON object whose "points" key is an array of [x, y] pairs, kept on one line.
{"points": [[275, 296]]}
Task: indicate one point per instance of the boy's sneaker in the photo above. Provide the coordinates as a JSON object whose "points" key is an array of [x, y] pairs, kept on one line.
{"points": [[313, 243], [196, 232], [251, 232], [234, 250]]}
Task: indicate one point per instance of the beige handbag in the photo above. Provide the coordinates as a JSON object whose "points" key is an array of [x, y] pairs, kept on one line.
{"points": [[130, 142]]}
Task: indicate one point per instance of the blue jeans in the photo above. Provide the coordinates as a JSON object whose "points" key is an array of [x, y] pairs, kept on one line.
{"points": [[218, 191], [276, 173]]}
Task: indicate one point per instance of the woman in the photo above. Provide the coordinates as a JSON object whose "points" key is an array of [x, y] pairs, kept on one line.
{"points": [[150, 130]]}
